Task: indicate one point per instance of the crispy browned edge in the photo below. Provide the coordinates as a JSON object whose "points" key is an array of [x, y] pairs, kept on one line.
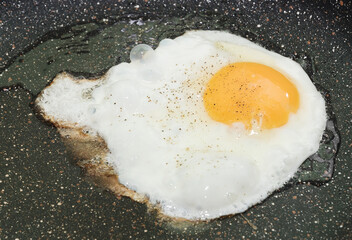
{"points": [[90, 153]]}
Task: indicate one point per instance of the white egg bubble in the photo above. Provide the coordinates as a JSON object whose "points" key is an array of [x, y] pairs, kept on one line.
{"points": [[92, 109], [166, 42], [139, 52]]}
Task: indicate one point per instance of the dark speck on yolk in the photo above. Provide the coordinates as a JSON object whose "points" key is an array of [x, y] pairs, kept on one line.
{"points": [[250, 93]]}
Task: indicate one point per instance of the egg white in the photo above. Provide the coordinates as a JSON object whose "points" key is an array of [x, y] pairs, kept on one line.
{"points": [[162, 142]]}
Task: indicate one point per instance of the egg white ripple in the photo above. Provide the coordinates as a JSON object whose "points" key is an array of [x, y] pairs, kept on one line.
{"points": [[163, 143]]}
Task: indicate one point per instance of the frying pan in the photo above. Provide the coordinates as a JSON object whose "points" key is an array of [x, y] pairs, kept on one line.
{"points": [[44, 195]]}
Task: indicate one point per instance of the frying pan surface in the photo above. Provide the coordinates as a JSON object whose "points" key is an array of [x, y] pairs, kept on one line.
{"points": [[44, 195]]}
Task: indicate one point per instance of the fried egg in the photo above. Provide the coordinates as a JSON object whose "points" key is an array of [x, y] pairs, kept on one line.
{"points": [[207, 124]]}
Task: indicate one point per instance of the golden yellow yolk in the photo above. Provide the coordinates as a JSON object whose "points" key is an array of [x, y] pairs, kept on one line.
{"points": [[251, 93]]}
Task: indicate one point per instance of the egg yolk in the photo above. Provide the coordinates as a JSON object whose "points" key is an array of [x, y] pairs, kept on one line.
{"points": [[256, 95]]}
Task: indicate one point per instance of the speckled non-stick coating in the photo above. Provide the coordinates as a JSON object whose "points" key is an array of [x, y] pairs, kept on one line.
{"points": [[43, 195]]}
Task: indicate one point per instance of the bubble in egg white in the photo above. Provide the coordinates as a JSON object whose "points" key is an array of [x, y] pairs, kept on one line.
{"points": [[166, 42], [138, 52]]}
